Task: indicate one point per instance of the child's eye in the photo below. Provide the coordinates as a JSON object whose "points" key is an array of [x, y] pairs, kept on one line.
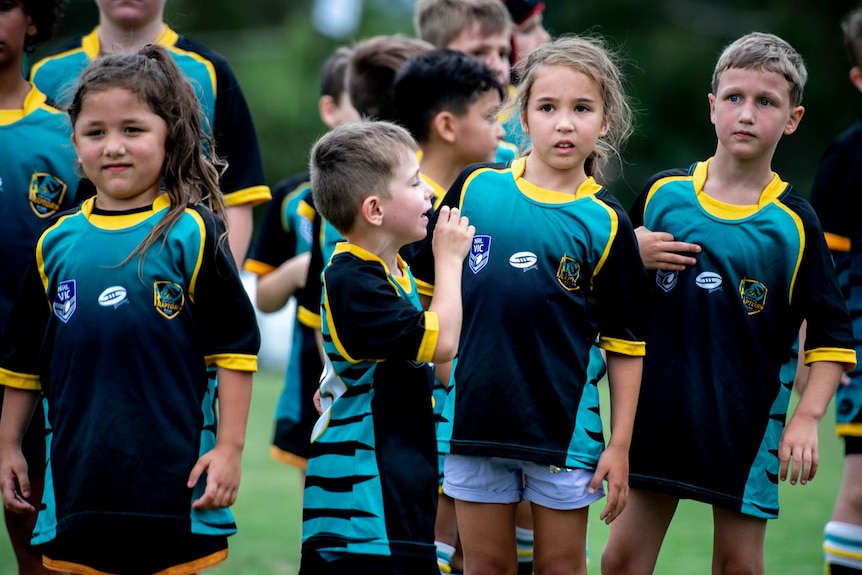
{"points": [[764, 102], [133, 129], [582, 108], [734, 98], [546, 108], [93, 133]]}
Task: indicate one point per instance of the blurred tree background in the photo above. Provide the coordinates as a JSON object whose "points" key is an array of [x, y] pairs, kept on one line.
{"points": [[276, 49]]}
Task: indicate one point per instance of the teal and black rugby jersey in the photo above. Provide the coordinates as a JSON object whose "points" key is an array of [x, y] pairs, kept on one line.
{"points": [[216, 86], [547, 273], [712, 405], [120, 351], [37, 181], [835, 197], [371, 482], [284, 232]]}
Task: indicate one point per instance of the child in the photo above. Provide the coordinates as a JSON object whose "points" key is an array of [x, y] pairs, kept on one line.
{"points": [[479, 28], [37, 165], [370, 78], [125, 26], [836, 188], [371, 484], [279, 257], [528, 32], [128, 299], [710, 419], [553, 264], [449, 102]]}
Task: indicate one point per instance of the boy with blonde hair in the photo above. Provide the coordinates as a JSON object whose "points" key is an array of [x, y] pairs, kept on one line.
{"points": [[371, 481], [710, 423]]}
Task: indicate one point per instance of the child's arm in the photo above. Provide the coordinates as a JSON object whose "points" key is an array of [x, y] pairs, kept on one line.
{"points": [[276, 288], [222, 463], [797, 450], [659, 250], [453, 235], [624, 380], [18, 407]]}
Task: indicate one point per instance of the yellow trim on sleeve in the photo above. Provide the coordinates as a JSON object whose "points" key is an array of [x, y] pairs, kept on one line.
{"points": [[254, 196], [234, 361], [19, 380], [432, 335], [622, 346], [849, 429], [837, 243], [288, 458], [841, 355], [308, 318], [257, 268]]}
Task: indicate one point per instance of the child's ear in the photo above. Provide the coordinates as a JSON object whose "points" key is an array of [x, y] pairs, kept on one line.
{"points": [[443, 125], [856, 77], [372, 210], [794, 119], [711, 98], [328, 108]]}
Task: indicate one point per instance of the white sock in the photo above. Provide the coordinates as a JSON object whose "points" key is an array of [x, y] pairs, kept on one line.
{"points": [[444, 556], [842, 545]]}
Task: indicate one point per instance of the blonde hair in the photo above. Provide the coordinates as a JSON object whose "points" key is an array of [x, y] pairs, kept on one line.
{"points": [[766, 52], [354, 161], [440, 22], [589, 56]]}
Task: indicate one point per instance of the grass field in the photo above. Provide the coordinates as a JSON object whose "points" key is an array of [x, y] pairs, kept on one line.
{"points": [[268, 513]]}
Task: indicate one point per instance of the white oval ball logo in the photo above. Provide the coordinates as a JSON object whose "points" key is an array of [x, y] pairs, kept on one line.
{"points": [[523, 260], [113, 296], [708, 280]]}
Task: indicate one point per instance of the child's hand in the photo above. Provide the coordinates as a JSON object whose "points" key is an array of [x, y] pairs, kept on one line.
{"points": [[797, 450], [222, 466], [659, 251], [15, 482], [614, 466], [453, 234]]}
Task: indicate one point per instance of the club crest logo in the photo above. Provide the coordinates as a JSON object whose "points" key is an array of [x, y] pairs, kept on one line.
{"points": [[480, 253], [568, 273], [46, 194], [66, 300], [666, 280], [168, 298], [753, 295]]}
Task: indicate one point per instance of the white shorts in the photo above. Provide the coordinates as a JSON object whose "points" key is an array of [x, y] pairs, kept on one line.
{"points": [[480, 479]]}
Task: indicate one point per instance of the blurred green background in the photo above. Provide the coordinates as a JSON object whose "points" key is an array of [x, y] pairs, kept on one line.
{"points": [[670, 47]]}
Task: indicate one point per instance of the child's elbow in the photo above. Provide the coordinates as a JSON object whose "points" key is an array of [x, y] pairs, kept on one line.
{"points": [[446, 349]]}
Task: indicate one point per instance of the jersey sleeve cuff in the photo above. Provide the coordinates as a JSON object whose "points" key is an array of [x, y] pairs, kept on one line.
{"points": [[254, 196], [429, 340], [308, 318], [234, 361], [19, 380], [847, 357], [622, 346]]}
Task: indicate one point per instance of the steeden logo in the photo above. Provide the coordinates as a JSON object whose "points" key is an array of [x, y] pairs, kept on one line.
{"points": [[113, 296], [709, 281], [523, 260]]}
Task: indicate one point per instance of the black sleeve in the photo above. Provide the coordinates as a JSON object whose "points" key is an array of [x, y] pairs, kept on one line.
{"points": [[222, 306]]}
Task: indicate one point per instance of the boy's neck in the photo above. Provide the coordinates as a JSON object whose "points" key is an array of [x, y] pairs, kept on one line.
{"points": [[13, 88], [116, 38], [381, 245], [439, 166], [736, 182]]}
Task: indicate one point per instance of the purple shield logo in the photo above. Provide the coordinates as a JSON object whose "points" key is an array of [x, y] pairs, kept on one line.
{"points": [[480, 252]]}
